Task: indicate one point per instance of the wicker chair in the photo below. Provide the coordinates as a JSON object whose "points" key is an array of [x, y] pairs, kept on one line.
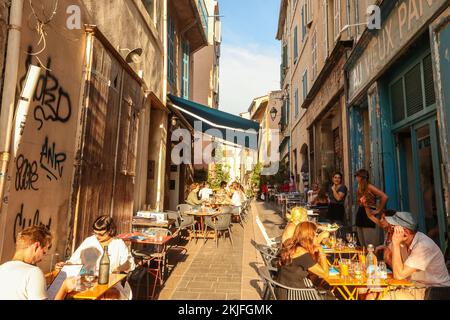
{"points": [[220, 224], [187, 222]]}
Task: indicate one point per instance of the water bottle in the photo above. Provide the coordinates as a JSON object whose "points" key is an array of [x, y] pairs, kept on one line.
{"points": [[103, 275], [371, 262]]}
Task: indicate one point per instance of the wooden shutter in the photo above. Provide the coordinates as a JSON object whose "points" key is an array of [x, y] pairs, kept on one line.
{"points": [[397, 101], [430, 96], [413, 91]]}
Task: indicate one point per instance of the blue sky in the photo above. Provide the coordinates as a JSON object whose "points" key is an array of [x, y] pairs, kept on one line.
{"points": [[249, 65]]}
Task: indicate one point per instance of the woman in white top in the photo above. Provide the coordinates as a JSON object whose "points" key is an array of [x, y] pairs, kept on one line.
{"points": [[90, 252]]}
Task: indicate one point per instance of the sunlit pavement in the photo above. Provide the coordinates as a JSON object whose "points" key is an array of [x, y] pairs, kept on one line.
{"points": [[224, 273]]}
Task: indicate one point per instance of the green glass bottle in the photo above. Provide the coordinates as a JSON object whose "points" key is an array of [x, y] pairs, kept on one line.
{"points": [[103, 273]]}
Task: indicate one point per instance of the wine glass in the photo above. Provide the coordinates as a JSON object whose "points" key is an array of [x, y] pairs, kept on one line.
{"points": [[382, 270], [90, 275], [349, 237]]}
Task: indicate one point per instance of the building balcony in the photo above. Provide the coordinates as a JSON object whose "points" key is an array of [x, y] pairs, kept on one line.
{"points": [[192, 19]]}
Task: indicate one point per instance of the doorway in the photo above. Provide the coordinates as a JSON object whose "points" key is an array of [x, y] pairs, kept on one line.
{"points": [[420, 182]]}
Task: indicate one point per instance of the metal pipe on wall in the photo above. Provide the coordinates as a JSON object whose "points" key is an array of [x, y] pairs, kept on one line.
{"points": [[8, 97]]}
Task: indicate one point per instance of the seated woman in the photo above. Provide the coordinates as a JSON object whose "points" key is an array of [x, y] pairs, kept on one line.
{"points": [[222, 194], [90, 252], [192, 198], [322, 201], [301, 255]]}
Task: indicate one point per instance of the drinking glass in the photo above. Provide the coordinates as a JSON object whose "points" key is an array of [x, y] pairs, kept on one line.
{"points": [[382, 270], [332, 240], [349, 237], [344, 266], [357, 270], [90, 275]]}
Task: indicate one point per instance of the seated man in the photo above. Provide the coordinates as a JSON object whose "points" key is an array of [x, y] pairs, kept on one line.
{"points": [[21, 279], [423, 262]]}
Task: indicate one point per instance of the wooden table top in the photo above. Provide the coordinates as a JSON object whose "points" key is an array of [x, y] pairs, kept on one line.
{"points": [[98, 290], [146, 239], [137, 221], [362, 282]]}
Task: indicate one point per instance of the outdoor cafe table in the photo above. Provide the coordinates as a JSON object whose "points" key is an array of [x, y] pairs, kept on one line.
{"points": [[98, 290], [351, 253], [202, 213], [349, 287], [93, 293]]}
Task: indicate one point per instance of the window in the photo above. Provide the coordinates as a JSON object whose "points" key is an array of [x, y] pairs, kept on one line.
{"points": [[185, 70], [303, 24], [295, 45], [150, 7], [413, 92], [309, 12], [296, 103], [305, 84], [314, 54], [171, 50], [337, 18]]}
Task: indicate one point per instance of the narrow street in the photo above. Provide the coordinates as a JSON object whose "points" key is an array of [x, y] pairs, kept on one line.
{"points": [[227, 272]]}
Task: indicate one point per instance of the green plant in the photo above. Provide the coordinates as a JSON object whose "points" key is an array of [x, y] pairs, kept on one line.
{"points": [[217, 175]]}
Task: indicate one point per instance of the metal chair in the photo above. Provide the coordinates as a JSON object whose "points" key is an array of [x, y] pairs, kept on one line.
{"points": [[187, 222], [268, 255], [154, 254], [220, 223], [437, 293], [273, 287]]}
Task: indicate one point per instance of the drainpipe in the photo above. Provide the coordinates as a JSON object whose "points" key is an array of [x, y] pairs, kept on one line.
{"points": [[348, 19], [8, 94]]}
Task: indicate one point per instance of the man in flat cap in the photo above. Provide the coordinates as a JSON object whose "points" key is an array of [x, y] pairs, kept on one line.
{"points": [[414, 257]]}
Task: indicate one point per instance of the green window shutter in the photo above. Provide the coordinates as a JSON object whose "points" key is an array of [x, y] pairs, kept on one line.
{"points": [[171, 50], [430, 96], [397, 101], [413, 91]]}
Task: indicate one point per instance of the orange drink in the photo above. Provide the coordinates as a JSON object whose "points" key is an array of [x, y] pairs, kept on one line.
{"points": [[362, 259], [344, 270]]}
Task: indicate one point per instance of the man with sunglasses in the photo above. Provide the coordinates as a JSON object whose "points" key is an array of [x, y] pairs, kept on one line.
{"points": [[414, 257]]}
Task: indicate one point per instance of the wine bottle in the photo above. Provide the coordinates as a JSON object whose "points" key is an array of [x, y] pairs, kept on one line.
{"points": [[103, 274]]}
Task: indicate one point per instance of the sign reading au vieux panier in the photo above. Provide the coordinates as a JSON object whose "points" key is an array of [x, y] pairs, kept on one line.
{"points": [[405, 20]]}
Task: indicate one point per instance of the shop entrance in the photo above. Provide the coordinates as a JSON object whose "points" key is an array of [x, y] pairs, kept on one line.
{"points": [[420, 180]]}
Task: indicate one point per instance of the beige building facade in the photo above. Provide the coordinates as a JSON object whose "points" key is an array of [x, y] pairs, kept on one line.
{"points": [[316, 38], [187, 33], [96, 140]]}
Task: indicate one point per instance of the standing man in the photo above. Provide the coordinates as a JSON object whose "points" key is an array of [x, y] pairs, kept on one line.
{"points": [[21, 279]]}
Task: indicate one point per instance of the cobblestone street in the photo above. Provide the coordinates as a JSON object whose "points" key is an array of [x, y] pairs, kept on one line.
{"points": [[227, 272]]}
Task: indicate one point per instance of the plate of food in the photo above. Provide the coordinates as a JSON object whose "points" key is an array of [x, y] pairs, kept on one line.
{"points": [[328, 227]]}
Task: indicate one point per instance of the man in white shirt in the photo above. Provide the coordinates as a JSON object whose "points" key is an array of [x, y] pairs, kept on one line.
{"points": [[20, 278], [205, 192], [424, 263]]}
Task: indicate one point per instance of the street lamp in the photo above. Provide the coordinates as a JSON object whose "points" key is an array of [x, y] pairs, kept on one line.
{"points": [[273, 113], [174, 121]]}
